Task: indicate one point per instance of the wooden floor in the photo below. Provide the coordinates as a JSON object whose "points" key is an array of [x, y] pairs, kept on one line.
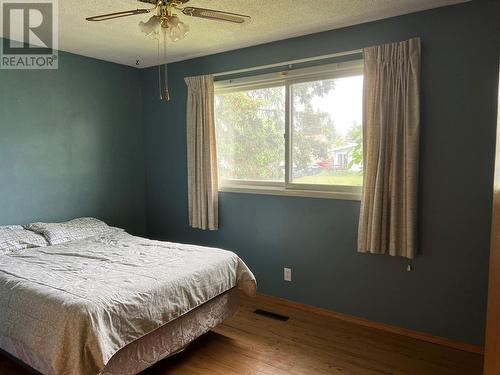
{"points": [[306, 344]]}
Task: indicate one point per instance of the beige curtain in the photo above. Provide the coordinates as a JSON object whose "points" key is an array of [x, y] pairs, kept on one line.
{"points": [[391, 122], [201, 154]]}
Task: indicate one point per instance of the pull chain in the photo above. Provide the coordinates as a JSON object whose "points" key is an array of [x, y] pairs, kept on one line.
{"points": [[162, 68]]}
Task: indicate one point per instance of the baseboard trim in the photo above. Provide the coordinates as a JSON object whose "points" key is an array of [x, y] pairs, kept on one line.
{"points": [[455, 344]]}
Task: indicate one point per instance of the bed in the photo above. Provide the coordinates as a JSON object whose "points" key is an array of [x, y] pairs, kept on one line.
{"points": [[113, 303]]}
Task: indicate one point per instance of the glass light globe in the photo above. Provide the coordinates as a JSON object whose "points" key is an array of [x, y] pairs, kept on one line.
{"points": [[151, 27], [184, 28], [178, 29]]}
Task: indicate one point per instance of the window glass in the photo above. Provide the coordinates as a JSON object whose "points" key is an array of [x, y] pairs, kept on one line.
{"points": [[327, 132], [249, 131]]}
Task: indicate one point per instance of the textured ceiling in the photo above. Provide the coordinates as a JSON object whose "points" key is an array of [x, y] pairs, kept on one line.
{"points": [[120, 40]]}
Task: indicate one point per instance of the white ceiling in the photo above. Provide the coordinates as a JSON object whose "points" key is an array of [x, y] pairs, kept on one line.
{"points": [[120, 40]]}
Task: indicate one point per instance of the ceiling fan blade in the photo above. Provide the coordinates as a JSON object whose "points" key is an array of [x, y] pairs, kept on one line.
{"points": [[110, 16], [217, 15]]}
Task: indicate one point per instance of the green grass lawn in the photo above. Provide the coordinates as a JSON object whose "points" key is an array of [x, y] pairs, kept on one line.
{"points": [[326, 177]]}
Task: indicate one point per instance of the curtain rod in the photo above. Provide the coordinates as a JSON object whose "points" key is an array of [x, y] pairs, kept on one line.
{"points": [[291, 62]]}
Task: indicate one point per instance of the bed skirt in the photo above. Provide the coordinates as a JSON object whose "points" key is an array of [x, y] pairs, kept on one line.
{"points": [[173, 337], [165, 341]]}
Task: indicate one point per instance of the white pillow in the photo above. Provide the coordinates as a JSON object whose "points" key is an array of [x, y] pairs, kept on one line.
{"points": [[15, 237], [76, 229]]}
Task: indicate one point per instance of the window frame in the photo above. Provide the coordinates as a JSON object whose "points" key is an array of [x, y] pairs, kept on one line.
{"points": [[288, 79]]}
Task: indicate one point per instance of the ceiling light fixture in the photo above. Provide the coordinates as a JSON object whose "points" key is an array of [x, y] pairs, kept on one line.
{"points": [[167, 24]]}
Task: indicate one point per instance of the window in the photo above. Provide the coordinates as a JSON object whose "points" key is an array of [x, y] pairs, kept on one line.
{"points": [[249, 127], [294, 133]]}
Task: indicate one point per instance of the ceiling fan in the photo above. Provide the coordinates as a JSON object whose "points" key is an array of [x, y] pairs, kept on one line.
{"points": [[165, 22]]}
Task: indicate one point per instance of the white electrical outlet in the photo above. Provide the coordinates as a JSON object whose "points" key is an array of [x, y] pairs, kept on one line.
{"points": [[287, 274]]}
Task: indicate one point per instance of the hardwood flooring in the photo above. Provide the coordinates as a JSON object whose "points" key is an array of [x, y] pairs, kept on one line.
{"points": [[308, 344]]}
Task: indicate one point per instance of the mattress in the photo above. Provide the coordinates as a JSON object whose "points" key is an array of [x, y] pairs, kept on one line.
{"points": [[68, 309]]}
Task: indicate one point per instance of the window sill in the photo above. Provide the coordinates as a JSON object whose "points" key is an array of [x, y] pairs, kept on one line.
{"points": [[279, 190]]}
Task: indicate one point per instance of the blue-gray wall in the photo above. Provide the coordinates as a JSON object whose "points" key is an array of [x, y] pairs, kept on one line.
{"points": [[446, 294], [71, 144], [92, 139]]}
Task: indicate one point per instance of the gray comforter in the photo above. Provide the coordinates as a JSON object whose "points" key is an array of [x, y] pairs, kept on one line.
{"points": [[67, 309]]}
